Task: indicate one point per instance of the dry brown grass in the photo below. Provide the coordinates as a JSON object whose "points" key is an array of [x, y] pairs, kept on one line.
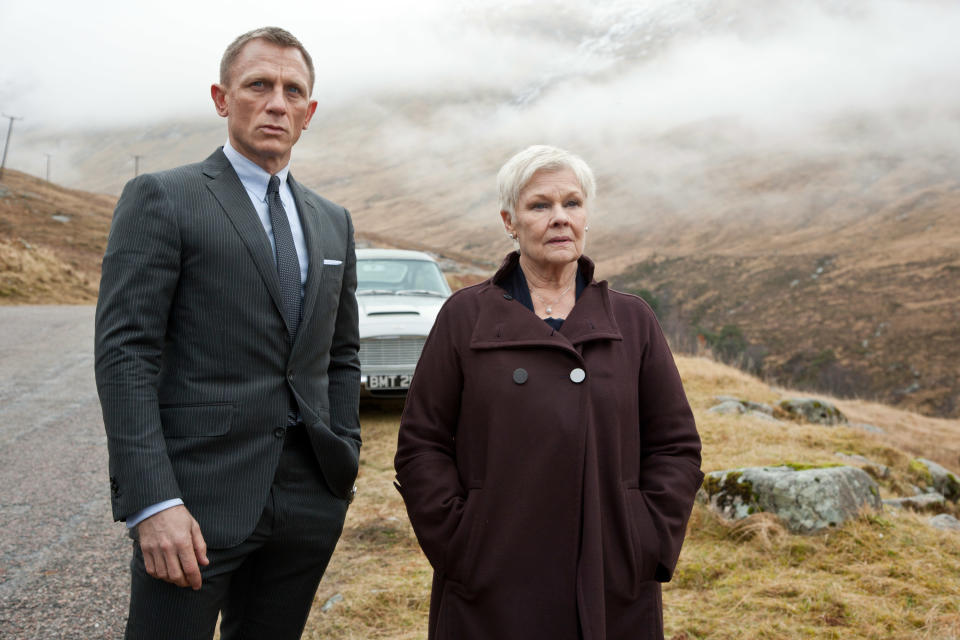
{"points": [[36, 275], [884, 576], [51, 241]]}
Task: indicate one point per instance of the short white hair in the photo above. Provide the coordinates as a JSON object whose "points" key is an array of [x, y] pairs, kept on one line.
{"points": [[518, 170]]}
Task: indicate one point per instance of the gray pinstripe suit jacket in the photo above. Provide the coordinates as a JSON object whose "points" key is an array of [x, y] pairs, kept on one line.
{"points": [[192, 363]]}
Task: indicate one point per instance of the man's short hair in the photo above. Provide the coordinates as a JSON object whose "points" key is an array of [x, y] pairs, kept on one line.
{"points": [[273, 35]]}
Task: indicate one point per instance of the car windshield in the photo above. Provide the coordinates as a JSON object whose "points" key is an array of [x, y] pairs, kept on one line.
{"points": [[400, 277]]}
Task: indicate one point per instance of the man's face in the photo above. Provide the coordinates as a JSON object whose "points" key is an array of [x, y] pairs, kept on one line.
{"points": [[266, 102]]}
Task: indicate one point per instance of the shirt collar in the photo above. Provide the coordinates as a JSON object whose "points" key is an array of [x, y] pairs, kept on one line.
{"points": [[252, 176]]}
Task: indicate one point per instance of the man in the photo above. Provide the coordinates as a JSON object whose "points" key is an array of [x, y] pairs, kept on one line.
{"points": [[227, 368]]}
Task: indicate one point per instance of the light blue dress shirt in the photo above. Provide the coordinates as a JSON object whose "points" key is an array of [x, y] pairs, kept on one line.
{"points": [[255, 181]]}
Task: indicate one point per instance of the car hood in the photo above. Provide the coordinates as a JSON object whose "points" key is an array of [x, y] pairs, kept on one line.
{"points": [[397, 315]]}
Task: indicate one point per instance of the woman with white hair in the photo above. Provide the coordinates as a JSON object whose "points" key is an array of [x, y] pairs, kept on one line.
{"points": [[547, 455]]}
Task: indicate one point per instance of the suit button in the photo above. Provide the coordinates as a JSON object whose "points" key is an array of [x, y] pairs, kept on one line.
{"points": [[520, 375], [507, 296], [278, 433], [578, 375]]}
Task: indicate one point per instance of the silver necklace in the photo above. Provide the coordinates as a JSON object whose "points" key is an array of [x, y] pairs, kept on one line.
{"points": [[548, 306]]}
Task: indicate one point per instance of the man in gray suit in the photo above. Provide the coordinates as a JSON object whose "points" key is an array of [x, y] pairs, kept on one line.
{"points": [[227, 368]]}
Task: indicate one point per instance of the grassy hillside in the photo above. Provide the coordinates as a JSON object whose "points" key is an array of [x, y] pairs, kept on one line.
{"points": [[885, 576], [51, 241]]}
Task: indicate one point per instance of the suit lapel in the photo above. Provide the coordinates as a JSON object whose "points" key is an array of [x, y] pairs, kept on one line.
{"points": [[310, 219], [229, 192]]}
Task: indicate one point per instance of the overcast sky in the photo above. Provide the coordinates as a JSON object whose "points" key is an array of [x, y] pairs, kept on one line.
{"points": [[68, 64]]}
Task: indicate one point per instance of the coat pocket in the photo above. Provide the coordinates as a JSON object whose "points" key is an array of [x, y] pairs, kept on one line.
{"points": [[460, 555], [645, 541], [196, 420]]}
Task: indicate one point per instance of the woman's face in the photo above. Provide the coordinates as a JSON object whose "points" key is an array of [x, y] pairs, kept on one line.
{"points": [[550, 218]]}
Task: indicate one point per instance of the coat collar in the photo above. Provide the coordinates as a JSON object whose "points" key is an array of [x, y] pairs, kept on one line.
{"points": [[504, 322]]}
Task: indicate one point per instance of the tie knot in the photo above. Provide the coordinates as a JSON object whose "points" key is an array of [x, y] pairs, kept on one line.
{"points": [[273, 186]]}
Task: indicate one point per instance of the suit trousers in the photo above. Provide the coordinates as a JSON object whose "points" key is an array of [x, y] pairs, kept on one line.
{"points": [[264, 586]]}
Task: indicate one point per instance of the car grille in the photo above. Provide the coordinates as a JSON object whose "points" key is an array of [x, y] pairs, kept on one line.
{"points": [[390, 351]]}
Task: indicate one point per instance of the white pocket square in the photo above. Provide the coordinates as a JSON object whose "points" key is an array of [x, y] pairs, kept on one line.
{"points": [[332, 262]]}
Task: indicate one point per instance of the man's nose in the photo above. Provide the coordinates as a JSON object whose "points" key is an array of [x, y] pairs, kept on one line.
{"points": [[276, 102]]}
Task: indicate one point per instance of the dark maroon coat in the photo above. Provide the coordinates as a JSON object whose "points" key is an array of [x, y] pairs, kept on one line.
{"points": [[548, 474]]}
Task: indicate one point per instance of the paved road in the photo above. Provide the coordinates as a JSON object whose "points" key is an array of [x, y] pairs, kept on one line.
{"points": [[63, 562]]}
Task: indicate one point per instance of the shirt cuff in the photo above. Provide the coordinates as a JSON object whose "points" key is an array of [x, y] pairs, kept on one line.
{"points": [[140, 516]]}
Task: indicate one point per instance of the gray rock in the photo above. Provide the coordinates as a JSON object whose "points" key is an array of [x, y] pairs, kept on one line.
{"points": [[728, 407], [875, 469], [917, 503], [941, 479], [867, 427], [807, 500], [813, 410], [334, 599], [747, 404], [945, 521]]}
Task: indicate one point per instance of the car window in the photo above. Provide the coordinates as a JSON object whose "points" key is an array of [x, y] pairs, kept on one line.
{"points": [[392, 276]]}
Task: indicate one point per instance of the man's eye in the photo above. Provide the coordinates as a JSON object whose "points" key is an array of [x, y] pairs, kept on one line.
{"points": [[258, 84], [294, 89]]}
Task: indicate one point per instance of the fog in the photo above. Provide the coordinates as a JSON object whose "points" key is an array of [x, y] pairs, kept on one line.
{"points": [[619, 76]]}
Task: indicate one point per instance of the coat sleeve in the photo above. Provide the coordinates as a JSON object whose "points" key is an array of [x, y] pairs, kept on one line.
{"points": [[427, 475], [140, 271], [344, 369], [669, 449]]}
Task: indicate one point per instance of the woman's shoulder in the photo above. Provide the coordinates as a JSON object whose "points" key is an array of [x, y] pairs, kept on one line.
{"points": [[630, 305]]}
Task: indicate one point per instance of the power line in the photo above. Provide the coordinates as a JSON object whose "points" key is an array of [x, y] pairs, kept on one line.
{"points": [[6, 145]]}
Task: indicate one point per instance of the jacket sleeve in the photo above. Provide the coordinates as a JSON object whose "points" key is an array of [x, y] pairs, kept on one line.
{"points": [[140, 271], [427, 475], [344, 369], [669, 449]]}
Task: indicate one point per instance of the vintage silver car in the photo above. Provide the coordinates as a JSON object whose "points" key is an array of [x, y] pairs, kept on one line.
{"points": [[399, 294]]}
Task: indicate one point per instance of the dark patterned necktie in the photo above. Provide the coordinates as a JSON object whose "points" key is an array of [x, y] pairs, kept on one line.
{"points": [[288, 265]]}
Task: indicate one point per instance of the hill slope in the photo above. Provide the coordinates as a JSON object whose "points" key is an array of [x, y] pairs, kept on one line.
{"points": [[51, 241]]}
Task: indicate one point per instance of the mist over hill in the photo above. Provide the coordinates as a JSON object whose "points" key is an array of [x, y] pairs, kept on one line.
{"points": [[787, 170]]}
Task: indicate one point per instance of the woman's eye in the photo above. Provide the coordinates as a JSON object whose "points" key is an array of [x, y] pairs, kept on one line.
{"points": [[572, 203]]}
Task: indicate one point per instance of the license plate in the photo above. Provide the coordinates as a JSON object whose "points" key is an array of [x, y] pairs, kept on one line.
{"points": [[389, 382]]}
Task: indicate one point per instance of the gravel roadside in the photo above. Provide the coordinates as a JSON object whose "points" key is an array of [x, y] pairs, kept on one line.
{"points": [[63, 561]]}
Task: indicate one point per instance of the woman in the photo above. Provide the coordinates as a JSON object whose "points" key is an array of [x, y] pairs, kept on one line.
{"points": [[547, 455]]}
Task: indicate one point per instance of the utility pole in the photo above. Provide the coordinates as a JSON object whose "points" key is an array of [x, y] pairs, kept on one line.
{"points": [[48, 166], [6, 145], [136, 166]]}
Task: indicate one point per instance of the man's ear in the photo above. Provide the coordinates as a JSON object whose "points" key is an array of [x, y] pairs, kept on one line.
{"points": [[310, 109], [219, 94]]}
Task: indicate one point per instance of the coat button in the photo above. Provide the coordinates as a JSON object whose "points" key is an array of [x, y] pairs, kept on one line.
{"points": [[278, 433], [520, 375], [507, 296], [578, 375]]}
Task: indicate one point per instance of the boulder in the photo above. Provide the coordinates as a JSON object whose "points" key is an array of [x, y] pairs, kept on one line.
{"points": [[807, 500], [748, 405], [875, 469], [920, 502], [945, 521], [938, 477], [812, 410], [729, 405]]}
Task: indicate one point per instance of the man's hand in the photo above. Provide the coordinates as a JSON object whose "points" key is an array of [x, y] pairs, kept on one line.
{"points": [[173, 546]]}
